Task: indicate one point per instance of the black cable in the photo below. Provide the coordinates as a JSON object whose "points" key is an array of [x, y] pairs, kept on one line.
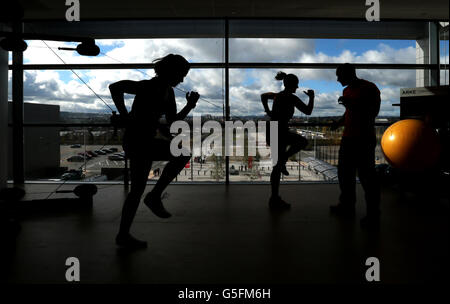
{"points": [[80, 168], [81, 79]]}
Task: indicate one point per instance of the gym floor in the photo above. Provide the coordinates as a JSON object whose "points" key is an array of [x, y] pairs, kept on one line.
{"points": [[220, 234]]}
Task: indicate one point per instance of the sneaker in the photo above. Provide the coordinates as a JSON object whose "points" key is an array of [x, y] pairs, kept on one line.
{"points": [[156, 206], [343, 209], [276, 203], [129, 242]]}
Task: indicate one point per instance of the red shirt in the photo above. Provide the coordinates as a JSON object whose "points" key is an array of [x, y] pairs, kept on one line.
{"points": [[361, 108]]}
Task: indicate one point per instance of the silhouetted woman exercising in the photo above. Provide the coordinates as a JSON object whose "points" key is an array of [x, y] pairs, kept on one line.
{"points": [[142, 141], [289, 143]]}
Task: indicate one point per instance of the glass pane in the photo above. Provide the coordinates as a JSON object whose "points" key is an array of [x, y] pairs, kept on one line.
{"points": [[58, 97], [77, 103], [73, 154], [322, 50], [246, 86], [65, 90], [320, 159], [94, 154], [125, 51]]}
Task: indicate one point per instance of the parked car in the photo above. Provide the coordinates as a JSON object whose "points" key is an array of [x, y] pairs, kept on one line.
{"points": [[76, 146], [100, 152], [76, 158], [91, 153], [72, 175], [113, 149], [116, 157], [107, 151], [82, 154]]}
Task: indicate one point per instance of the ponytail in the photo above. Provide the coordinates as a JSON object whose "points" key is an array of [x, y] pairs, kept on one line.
{"points": [[280, 76], [289, 80]]}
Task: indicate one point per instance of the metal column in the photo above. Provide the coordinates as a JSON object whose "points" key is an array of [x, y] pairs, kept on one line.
{"points": [[17, 112], [227, 96]]}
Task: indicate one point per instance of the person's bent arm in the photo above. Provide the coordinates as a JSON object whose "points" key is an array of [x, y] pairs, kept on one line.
{"points": [[117, 90], [192, 98], [265, 99], [306, 109]]}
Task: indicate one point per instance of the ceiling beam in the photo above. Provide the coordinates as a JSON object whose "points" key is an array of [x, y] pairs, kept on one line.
{"points": [[239, 28]]}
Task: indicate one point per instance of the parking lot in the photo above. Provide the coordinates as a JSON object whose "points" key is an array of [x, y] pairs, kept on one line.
{"points": [[195, 171], [93, 166]]}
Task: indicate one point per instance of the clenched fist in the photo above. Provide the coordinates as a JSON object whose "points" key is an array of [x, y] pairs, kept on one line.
{"points": [[192, 98], [310, 93]]}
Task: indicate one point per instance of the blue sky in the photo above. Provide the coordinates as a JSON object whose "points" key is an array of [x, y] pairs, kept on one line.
{"points": [[335, 46]]}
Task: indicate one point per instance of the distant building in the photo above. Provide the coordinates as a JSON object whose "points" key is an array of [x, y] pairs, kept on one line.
{"points": [[41, 144]]}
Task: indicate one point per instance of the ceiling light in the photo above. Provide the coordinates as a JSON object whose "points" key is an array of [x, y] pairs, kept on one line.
{"points": [[13, 44]]}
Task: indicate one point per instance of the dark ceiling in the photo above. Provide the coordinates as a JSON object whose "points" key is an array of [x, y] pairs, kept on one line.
{"points": [[318, 9]]}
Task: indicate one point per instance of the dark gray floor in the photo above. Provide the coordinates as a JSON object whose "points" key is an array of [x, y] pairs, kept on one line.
{"points": [[222, 234]]}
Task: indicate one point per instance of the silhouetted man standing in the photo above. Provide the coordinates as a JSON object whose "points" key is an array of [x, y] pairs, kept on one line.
{"points": [[361, 100]]}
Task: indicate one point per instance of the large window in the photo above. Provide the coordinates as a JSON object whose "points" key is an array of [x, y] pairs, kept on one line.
{"points": [[68, 104], [292, 50]]}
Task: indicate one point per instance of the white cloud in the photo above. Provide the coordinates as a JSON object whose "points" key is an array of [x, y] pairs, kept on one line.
{"points": [[146, 51], [267, 50], [245, 85]]}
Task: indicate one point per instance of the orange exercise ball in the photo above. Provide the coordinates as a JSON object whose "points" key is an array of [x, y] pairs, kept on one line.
{"points": [[411, 145]]}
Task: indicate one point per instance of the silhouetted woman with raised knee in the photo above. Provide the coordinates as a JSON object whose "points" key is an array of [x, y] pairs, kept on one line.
{"points": [[289, 143], [146, 140]]}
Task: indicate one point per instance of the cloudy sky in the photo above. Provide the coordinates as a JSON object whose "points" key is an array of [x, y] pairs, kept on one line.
{"points": [[65, 89]]}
